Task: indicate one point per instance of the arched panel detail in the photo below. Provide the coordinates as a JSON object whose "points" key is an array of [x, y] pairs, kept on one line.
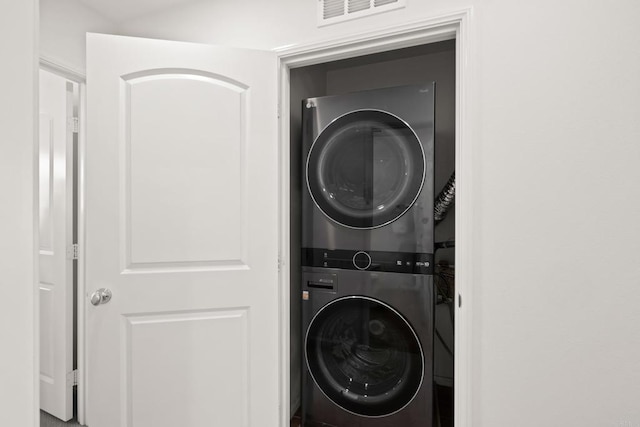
{"points": [[183, 141], [184, 73]]}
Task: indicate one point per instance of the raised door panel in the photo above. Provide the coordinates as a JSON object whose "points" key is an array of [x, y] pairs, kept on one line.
{"points": [[46, 183], [183, 159], [200, 361], [47, 336]]}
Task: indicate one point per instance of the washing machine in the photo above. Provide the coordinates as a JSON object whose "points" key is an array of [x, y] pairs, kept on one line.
{"points": [[367, 348], [367, 258]]}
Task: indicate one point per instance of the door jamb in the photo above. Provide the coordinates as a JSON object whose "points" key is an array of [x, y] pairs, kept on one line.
{"points": [[445, 27], [82, 390], [62, 70]]}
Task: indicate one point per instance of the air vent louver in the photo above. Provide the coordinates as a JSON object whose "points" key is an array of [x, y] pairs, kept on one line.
{"points": [[332, 8], [332, 11], [358, 5]]}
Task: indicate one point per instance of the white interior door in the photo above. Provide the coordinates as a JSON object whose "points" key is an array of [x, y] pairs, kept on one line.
{"points": [[181, 227], [56, 268]]}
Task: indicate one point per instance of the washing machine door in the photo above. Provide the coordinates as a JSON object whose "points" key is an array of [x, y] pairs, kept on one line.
{"points": [[364, 356], [365, 169]]}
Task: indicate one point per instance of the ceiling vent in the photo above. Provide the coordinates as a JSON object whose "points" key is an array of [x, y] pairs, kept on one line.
{"points": [[332, 11]]}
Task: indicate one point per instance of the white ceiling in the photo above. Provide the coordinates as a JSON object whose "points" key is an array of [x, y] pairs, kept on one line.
{"points": [[123, 10]]}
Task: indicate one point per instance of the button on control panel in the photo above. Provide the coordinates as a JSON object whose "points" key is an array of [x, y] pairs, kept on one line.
{"points": [[362, 260], [393, 262]]}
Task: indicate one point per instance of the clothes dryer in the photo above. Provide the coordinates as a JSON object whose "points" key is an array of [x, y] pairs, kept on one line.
{"points": [[368, 170]]}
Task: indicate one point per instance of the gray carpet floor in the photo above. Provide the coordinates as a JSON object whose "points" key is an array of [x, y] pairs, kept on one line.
{"points": [[47, 420]]}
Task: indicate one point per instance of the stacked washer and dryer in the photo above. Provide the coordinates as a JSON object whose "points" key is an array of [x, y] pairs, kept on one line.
{"points": [[367, 258]]}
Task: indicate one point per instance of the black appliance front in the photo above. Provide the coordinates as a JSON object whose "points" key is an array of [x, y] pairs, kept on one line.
{"points": [[368, 346], [367, 257], [368, 170]]}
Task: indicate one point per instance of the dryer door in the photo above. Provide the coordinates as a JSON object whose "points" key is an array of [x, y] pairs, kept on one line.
{"points": [[365, 169], [364, 356]]}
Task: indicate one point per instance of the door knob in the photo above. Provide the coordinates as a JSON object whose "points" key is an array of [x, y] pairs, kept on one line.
{"points": [[101, 296]]}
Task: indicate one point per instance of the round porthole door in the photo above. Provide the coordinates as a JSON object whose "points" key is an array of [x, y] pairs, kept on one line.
{"points": [[365, 169], [364, 356]]}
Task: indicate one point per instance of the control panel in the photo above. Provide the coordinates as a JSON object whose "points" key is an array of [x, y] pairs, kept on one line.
{"points": [[392, 262]]}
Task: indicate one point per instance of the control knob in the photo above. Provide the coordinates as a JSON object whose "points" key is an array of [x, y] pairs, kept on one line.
{"points": [[362, 260]]}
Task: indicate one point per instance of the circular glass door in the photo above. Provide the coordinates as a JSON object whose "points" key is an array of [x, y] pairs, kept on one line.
{"points": [[364, 356], [365, 169]]}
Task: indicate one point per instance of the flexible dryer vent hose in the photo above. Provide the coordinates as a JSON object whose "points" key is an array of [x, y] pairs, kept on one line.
{"points": [[445, 199]]}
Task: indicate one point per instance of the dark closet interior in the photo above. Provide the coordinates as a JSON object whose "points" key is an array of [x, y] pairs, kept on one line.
{"points": [[414, 65]]}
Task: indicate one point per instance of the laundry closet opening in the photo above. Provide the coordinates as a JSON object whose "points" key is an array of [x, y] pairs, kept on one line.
{"points": [[420, 65]]}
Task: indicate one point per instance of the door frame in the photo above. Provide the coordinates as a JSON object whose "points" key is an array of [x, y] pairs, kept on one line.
{"points": [[445, 27], [79, 78]]}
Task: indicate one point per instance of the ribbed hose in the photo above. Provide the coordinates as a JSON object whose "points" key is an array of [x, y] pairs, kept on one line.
{"points": [[445, 199]]}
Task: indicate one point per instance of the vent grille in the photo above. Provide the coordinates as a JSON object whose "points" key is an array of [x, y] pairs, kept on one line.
{"points": [[332, 8], [358, 5], [332, 11]]}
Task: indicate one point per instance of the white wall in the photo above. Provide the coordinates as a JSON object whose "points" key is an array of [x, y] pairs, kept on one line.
{"points": [[63, 25], [250, 23], [554, 110], [18, 386], [554, 125]]}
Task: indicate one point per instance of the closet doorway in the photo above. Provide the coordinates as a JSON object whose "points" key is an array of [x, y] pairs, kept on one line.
{"points": [[433, 62], [59, 103]]}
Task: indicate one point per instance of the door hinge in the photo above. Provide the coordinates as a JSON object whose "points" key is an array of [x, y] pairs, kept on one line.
{"points": [[72, 251], [73, 124], [72, 378]]}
